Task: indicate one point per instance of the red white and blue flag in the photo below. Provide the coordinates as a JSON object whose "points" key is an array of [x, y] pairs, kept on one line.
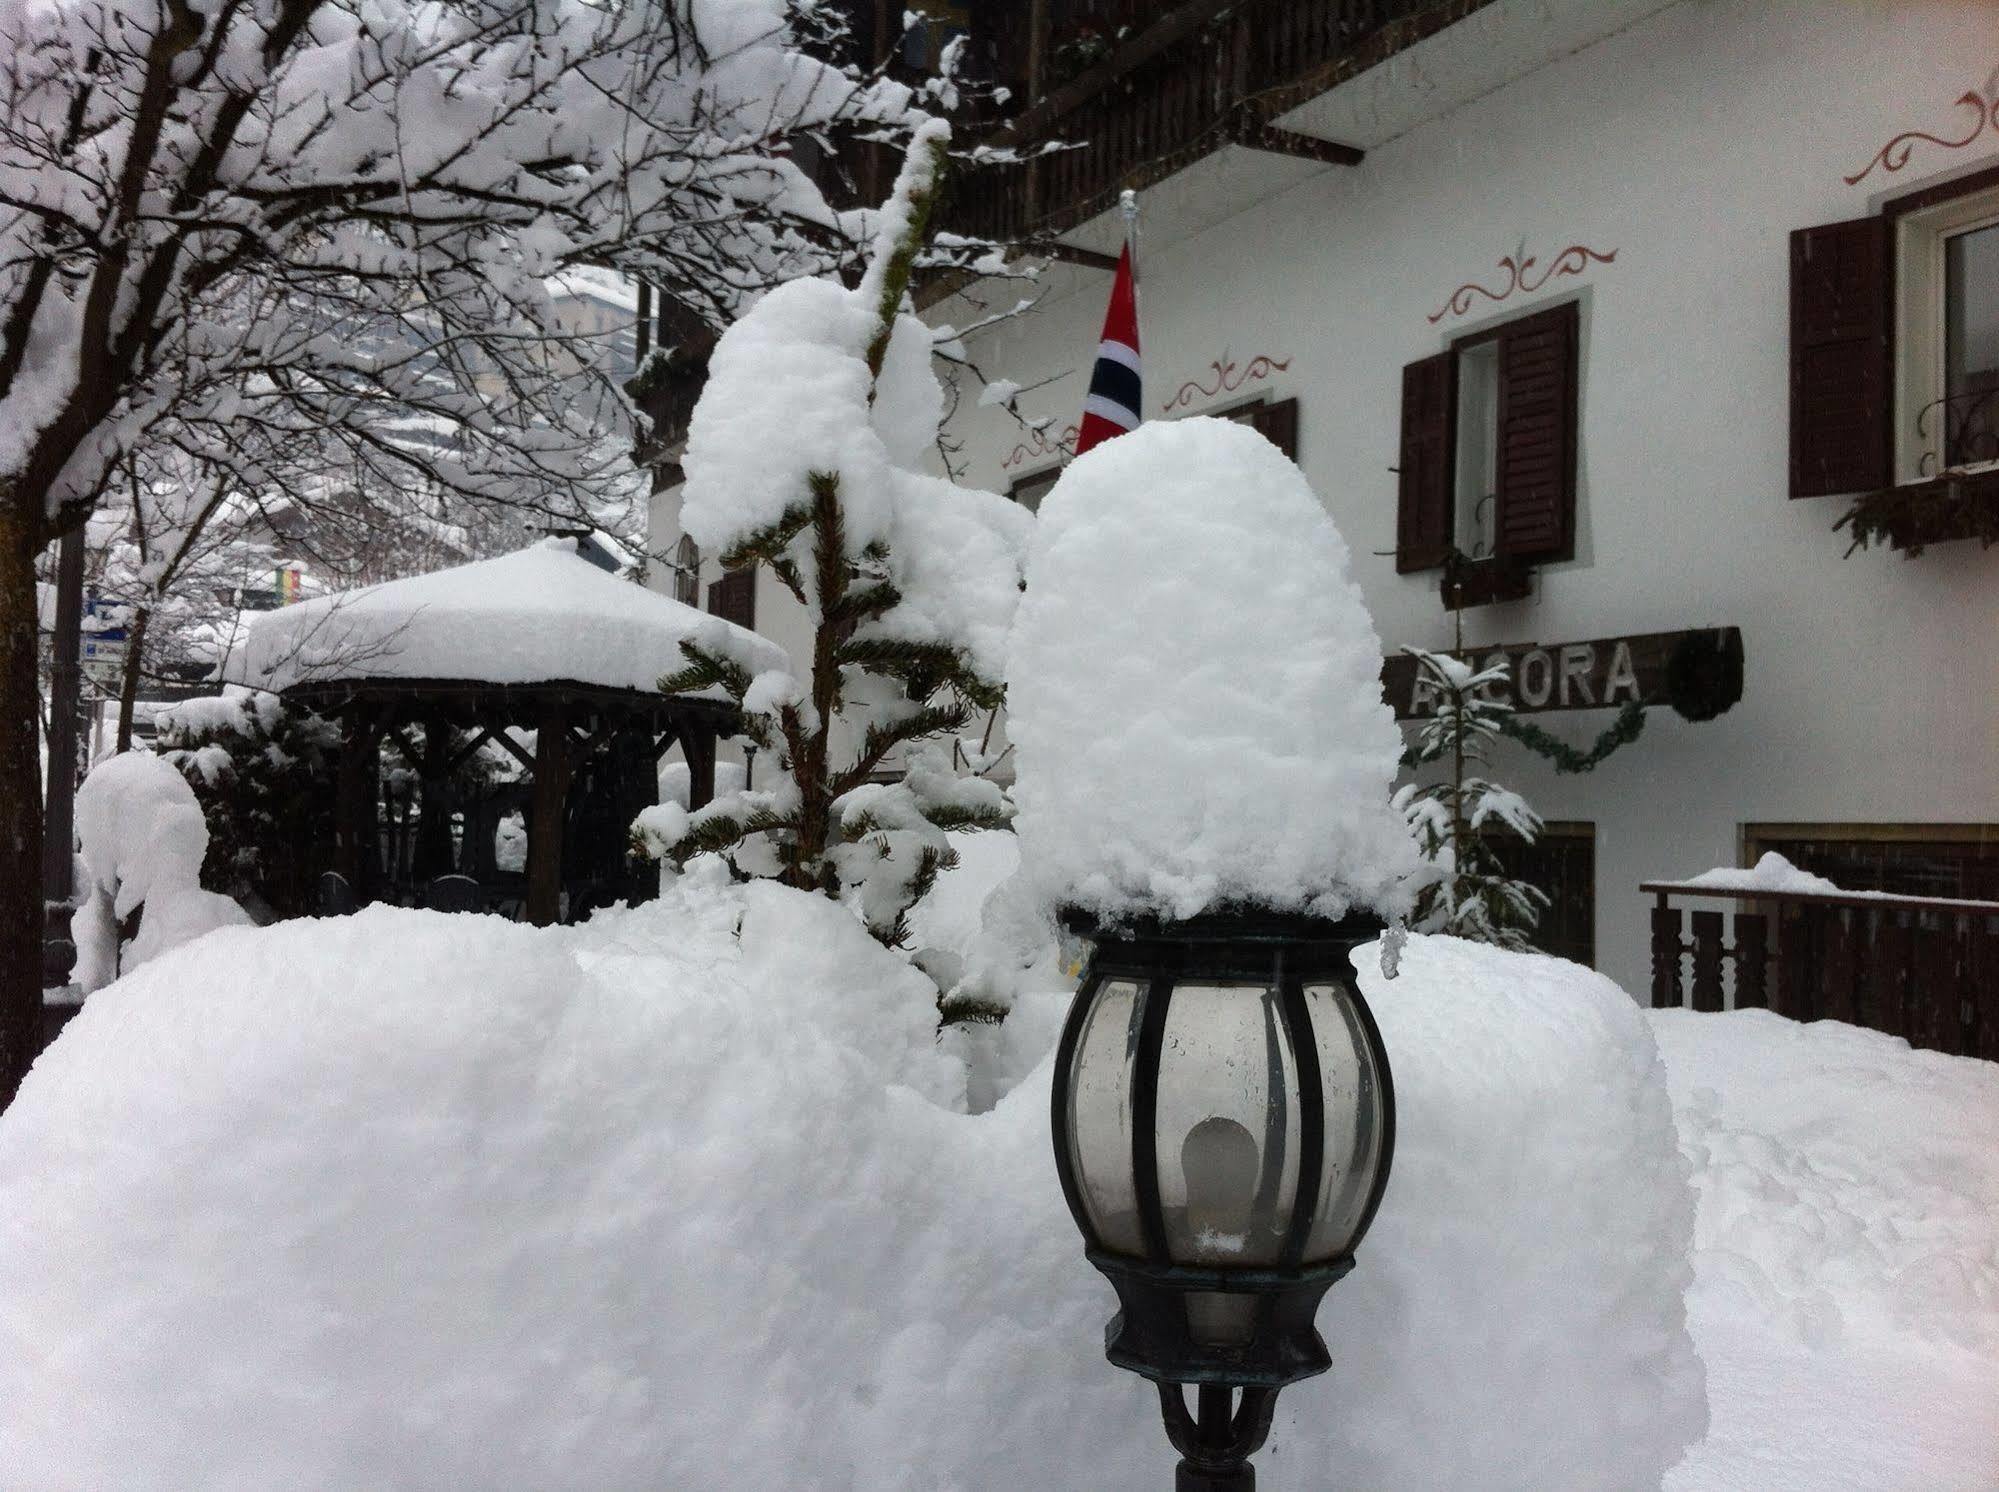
{"points": [[1114, 400]]}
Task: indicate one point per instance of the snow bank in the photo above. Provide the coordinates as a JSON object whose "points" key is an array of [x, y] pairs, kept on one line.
{"points": [[539, 614], [142, 838], [645, 1203], [1194, 688], [1771, 873]]}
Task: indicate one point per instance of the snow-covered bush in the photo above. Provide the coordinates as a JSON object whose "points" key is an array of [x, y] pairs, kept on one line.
{"points": [[1194, 688], [143, 839], [263, 773], [687, 1197], [804, 455], [1463, 889]]}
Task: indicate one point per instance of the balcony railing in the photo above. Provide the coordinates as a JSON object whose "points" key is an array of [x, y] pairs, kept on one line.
{"points": [[1202, 76], [1922, 968]]}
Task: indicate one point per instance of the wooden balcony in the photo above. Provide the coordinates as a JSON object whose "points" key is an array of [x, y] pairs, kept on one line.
{"points": [[1203, 76], [1922, 968]]}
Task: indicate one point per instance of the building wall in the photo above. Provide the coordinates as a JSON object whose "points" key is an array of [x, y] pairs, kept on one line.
{"points": [[1688, 146]]}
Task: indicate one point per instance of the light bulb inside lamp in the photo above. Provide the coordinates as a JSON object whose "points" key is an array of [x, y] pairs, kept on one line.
{"points": [[1219, 1160]]}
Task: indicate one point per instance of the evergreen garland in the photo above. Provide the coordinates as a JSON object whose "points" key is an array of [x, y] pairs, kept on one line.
{"points": [[1626, 728]]}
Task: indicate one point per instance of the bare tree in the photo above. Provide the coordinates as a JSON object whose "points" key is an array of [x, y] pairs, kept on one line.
{"points": [[246, 229]]}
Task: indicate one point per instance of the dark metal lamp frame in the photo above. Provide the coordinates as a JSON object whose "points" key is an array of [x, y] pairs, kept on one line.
{"points": [[1150, 1335]]}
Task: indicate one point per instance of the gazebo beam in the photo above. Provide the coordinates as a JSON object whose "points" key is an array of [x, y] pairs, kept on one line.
{"points": [[698, 742], [545, 822]]}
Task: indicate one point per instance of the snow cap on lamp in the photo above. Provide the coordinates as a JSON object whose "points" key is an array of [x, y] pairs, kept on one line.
{"points": [[1194, 690]]}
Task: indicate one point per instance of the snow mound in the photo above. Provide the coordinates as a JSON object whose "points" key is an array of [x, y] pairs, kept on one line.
{"points": [[142, 836], [1771, 873], [685, 1197], [1194, 688], [543, 613]]}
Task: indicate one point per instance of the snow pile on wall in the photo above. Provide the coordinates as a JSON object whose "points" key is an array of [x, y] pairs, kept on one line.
{"points": [[455, 1202], [1194, 688], [142, 837], [539, 614], [1771, 873]]}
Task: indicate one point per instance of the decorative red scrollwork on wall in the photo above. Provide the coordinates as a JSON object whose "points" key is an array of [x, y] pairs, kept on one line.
{"points": [[1228, 378], [1038, 444], [1984, 106], [1519, 277]]}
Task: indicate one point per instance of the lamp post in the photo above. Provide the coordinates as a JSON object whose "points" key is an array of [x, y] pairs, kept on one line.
{"points": [[1224, 1121]]}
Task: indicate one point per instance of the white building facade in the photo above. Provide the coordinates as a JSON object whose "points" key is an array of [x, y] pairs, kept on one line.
{"points": [[1559, 309]]}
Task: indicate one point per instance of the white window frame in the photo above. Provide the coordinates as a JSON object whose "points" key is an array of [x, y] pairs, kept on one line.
{"points": [[1919, 325]]}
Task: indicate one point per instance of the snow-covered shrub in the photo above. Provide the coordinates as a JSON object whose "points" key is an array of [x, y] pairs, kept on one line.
{"points": [[804, 455], [1463, 889], [263, 773], [1194, 688], [143, 838], [685, 1197]]}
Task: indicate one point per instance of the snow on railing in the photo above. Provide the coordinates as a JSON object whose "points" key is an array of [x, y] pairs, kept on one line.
{"points": [[1921, 967]]}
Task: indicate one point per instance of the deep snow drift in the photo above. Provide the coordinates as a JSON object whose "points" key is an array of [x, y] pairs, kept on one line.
{"points": [[653, 1203], [1193, 688]]}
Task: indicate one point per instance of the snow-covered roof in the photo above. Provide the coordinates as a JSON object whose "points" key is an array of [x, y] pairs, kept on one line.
{"points": [[536, 616]]}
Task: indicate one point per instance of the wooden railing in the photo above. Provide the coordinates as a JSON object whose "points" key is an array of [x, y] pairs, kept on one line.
{"points": [[1918, 967], [1202, 76]]}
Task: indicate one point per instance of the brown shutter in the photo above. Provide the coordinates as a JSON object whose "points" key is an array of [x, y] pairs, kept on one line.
{"points": [[733, 598], [1423, 500], [1840, 358], [1535, 480], [1278, 424]]}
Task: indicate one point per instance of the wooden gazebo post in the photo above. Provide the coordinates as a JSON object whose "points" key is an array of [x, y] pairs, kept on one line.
{"points": [[545, 822]]}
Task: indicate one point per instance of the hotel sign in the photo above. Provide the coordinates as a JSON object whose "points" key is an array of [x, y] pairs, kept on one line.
{"points": [[1698, 673]]}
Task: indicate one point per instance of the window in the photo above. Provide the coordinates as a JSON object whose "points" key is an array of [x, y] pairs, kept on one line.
{"points": [[1028, 491], [687, 572], [1561, 863], [1895, 342], [1947, 396], [733, 598], [1488, 459]]}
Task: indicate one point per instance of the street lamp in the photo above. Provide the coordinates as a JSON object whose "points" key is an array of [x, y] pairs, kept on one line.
{"points": [[1223, 1122]]}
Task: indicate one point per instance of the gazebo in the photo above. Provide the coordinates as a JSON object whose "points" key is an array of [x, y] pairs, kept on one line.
{"points": [[539, 653]]}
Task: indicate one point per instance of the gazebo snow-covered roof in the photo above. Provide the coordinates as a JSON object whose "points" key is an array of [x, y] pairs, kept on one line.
{"points": [[541, 615], [437, 667]]}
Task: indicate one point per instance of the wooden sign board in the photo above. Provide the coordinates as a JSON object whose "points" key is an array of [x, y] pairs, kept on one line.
{"points": [[1698, 672]]}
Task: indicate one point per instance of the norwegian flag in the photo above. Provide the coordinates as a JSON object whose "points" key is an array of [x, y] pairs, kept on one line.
{"points": [[1113, 403]]}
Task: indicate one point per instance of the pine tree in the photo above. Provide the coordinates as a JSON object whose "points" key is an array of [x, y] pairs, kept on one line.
{"points": [[1466, 890], [831, 824]]}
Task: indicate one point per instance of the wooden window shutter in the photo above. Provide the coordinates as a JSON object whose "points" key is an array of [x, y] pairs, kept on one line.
{"points": [[1535, 478], [733, 598], [1278, 424], [1426, 470], [1841, 359]]}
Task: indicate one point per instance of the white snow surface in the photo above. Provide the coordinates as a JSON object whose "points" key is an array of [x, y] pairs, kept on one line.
{"points": [[686, 1197], [1771, 873], [142, 838], [540, 614], [1846, 1256], [1194, 688]]}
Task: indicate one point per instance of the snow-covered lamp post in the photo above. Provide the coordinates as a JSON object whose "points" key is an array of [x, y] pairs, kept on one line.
{"points": [[1204, 791], [1231, 1053]]}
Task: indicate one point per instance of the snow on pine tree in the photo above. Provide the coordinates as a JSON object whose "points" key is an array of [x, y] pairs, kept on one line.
{"points": [[241, 230], [1463, 888], [804, 454]]}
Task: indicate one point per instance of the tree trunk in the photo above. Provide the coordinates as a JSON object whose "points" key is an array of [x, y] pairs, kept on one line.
{"points": [[20, 805], [128, 689]]}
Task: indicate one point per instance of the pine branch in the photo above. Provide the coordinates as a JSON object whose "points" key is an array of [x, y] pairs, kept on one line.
{"points": [[952, 816], [768, 544], [866, 603], [706, 670], [881, 739]]}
